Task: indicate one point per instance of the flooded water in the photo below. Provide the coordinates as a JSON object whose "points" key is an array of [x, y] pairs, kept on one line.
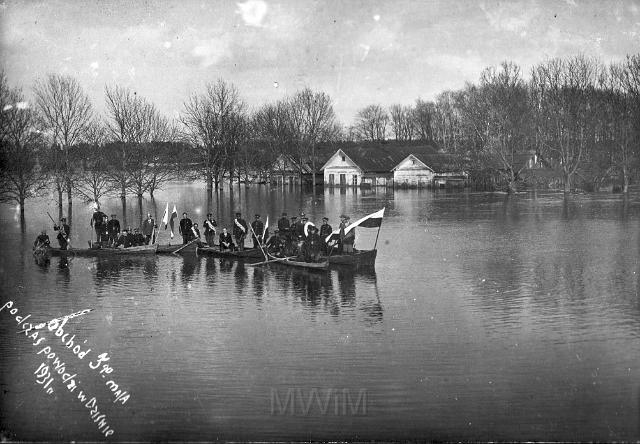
{"points": [[487, 317]]}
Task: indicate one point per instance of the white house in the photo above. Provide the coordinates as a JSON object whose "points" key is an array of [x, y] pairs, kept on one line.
{"points": [[413, 172], [341, 170]]}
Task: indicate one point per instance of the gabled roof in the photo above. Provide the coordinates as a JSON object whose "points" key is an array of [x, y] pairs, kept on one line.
{"points": [[382, 158], [413, 157], [340, 152]]}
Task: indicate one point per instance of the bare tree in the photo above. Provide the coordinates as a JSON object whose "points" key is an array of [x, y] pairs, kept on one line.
{"points": [[214, 123], [66, 112], [314, 121], [503, 124], [403, 123], [272, 126], [20, 176], [133, 122], [372, 122], [423, 119], [562, 95]]}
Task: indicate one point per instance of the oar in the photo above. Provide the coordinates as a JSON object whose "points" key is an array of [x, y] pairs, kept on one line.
{"points": [[277, 259], [185, 245], [258, 240]]}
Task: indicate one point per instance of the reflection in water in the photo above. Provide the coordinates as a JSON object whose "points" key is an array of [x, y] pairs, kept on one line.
{"points": [[482, 307]]}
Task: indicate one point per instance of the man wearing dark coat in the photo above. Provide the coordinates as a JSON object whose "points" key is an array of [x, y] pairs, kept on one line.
{"points": [[240, 229], [325, 230], [97, 221], [185, 228], [113, 230], [147, 228], [226, 242], [312, 245], [64, 233], [42, 240], [258, 231], [283, 223], [210, 229]]}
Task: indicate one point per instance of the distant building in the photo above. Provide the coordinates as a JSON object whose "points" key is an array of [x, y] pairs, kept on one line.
{"points": [[392, 164]]}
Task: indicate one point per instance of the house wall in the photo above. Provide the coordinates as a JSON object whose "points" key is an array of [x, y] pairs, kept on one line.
{"points": [[341, 165], [411, 172]]}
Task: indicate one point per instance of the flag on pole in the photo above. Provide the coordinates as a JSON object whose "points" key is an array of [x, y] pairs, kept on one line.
{"points": [[174, 214], [373, 220], [265, 234], [165, 217]]}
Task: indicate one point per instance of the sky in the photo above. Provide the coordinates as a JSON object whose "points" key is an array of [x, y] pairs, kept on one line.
{"points": [[359, 52]]}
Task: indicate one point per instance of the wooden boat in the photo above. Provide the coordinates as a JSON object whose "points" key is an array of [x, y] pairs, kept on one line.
{"points": [[300, 264], [249, 253], [170, 248], [143, 249], [359, 258]]}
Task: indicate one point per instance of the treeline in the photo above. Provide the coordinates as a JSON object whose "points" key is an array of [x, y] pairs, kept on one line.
{"points": [[580, 116]]}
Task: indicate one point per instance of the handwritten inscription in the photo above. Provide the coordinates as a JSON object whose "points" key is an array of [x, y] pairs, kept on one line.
{"points": [[53, 365]]}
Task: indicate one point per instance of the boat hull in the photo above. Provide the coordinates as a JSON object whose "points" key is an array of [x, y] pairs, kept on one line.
{"points": [[360, 258], [98, 252], [250, 253], [171, 248], [308, 265]]}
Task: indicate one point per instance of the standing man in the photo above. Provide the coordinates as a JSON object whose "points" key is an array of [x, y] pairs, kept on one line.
{"points": [[325, 230], [196, 233], [147, 228], [346, 239], [210, 229], [97, 221], [113, 230], [258, 231], [240, 229], [299, 226], [185, 228], [283, 223], [64, 233]]}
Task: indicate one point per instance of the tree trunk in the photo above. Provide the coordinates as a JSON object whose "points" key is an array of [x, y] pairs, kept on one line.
{"points": [[140, 216], [69, 198], [313, 171], [59, 189], [625, 180], [210, 182], [567, 182], [123, 199], [23, 225]]}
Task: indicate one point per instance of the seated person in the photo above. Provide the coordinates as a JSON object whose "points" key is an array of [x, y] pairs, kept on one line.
{"points": [[42, 240], [138, 238], [125, 239], [226, 241]]}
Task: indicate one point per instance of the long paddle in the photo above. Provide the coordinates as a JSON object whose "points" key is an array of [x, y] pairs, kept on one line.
{"points": [[259, 244], [54, 224], [275, 259], [185, 245]]}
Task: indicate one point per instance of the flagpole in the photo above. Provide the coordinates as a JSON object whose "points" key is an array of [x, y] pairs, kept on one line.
{"points": [[378, 234]]}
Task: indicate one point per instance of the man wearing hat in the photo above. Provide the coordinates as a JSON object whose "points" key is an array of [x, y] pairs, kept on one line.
{"points": [[346, 239], [138, 238], [113, 230], [97, 220], [283, 223], [240, 229], [210, 229], [257, 226], [64, 233], [148, 227], [299, 227], [325, 230], [185, 228]]}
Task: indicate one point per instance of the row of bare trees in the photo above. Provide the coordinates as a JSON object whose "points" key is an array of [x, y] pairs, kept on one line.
{"points": [[581, 116], [57, 140]]}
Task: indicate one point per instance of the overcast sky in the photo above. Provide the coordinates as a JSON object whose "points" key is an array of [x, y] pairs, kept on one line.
{"points": [[359, 52]]}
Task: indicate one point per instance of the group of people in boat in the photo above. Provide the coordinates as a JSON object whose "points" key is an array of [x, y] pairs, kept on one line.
{"points": [[294, 236]]}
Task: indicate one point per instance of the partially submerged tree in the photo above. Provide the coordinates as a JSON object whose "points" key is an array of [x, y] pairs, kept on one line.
{"points": [[66, 114], [21, 177]]}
